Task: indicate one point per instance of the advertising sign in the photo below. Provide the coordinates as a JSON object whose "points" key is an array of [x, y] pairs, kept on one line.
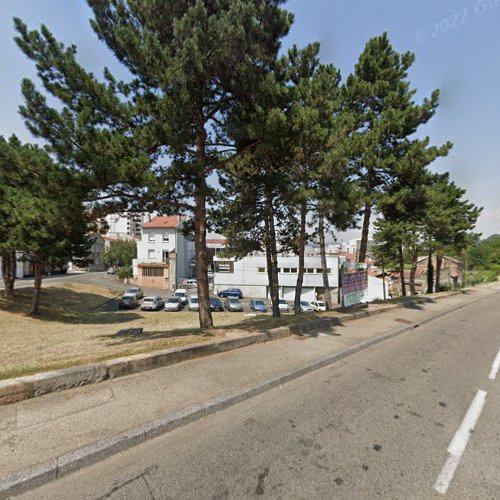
{"points": [[225, 266], [354, 284]]}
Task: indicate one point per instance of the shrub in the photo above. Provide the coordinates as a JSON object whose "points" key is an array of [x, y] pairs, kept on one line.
{"points": [[125, 272]]}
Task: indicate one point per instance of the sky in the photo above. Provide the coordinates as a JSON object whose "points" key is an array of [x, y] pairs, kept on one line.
{"points": [[456, 43]]}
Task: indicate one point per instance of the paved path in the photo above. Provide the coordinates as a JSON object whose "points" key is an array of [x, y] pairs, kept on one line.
{"points": [[407, 377]]}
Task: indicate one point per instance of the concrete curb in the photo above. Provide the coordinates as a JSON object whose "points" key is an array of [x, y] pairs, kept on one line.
{"points": [[100, 450], [20, 388]]}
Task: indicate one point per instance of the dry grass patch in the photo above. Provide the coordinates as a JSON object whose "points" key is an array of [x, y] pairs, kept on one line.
{"points": [[73, 329]]}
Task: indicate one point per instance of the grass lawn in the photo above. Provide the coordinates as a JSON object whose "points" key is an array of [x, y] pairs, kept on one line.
{"points": [[73, 329]]}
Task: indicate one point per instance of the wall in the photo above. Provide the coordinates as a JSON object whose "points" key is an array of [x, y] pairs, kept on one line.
{"points": [[250, 275]]}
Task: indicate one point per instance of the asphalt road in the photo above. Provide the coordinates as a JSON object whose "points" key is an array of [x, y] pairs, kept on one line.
{"points": [[380, 424]]}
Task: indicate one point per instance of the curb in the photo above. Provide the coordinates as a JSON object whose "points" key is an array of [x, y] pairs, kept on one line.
{"points": [[100, 450], [17, 389]]}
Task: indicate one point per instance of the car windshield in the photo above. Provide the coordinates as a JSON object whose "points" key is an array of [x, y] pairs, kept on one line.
{"points": [[149, 299], [321, 304], [173, 300], [128, 299], [180, 294], [133, 290], [194, 300], [258, 302], [282, 301], [304, 304], [234, 301]]}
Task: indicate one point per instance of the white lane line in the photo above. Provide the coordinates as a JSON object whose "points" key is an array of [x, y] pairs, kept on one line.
{"points": [[459, 442], [495, 366]]}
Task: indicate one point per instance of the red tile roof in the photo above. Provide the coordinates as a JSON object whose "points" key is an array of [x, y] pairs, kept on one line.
{"points": [[163, 221]]}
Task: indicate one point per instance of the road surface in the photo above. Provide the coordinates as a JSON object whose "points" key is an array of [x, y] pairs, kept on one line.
{"points": [[414, 417]]}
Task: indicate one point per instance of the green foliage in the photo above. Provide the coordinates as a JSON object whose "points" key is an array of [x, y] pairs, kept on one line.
{"points": [[125, 272], [485, 254], [121, 253]]}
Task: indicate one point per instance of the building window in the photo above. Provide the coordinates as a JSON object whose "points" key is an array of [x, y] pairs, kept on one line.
{"points": [[286, 270], [166, 237], [152, 237], [152, 272], [320, 271], [310, 271], [164, 256], [261, 269], [151, 254], [293, 270]]}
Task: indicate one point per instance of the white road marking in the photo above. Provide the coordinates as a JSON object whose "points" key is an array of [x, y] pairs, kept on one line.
{"points": [[459, 442], [495, 366]]}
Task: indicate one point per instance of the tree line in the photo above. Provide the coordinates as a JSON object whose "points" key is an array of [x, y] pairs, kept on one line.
{"points": [[271, 148]]}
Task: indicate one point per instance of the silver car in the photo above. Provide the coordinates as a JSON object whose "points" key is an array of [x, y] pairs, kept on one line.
{"points": [[193, 303], [173, 304], [134, 292], [318, 305], [233, 304], [305, 307], [152, 303]]}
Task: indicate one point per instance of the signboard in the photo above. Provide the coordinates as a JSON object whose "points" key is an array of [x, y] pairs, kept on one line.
{"points": [[354, 284], [224, 266]]}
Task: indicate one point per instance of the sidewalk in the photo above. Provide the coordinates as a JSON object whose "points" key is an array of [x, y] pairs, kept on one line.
{"points": [[43, 429]]}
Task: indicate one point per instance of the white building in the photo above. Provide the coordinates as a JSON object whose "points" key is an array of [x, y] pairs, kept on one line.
{"points": [[126, 224], [165, 257], [22, 268], [250, 275]]}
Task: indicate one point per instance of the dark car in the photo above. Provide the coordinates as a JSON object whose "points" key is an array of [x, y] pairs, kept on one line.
{"points": [[231, 292], [216, 304], [128, 302], [258, 305], [233, 304]]}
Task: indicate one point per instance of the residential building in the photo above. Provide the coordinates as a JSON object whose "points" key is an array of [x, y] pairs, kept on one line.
{"points": [[250, 275], [165, 257], [127, 224], [22, 267]]}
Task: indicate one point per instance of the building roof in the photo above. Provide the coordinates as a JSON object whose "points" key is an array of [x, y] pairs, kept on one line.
{"points": [[163, 221], [220, 241]]}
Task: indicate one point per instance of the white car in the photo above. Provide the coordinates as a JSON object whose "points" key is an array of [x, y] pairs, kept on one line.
{"points": [[134, 292], [152, 303], [173, 304], [193, 303], [283, 305], [182, 294], [318, 305]]}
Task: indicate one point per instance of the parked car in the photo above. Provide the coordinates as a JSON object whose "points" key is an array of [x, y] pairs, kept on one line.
{"points": [[283, 305], [173, 304], [191, 283], [216, 304], [233, 304], [128, 302], [258, 305], [112, 270], [318, 305], [231, 292], [134, 292], [152, 303], [193, 303], [182, 294], [305, 307]]}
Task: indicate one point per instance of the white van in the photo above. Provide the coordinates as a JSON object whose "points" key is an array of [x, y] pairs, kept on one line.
{"points": [[182, 294]]}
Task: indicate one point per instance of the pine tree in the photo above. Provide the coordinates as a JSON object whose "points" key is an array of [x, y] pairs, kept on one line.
{"points": [[379, 95], [191, 64]]}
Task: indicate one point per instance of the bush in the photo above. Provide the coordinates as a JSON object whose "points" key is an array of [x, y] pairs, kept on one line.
{"points": [[125, 272]]}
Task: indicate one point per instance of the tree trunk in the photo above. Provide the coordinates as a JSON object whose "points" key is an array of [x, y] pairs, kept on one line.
{"points": [[200, 230], [324, 269], [413, 272], [302, 251], [402, 271], [439, 261], [272, 256], [430, 273], [9, 273], [364, 233], [38, 268]]}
